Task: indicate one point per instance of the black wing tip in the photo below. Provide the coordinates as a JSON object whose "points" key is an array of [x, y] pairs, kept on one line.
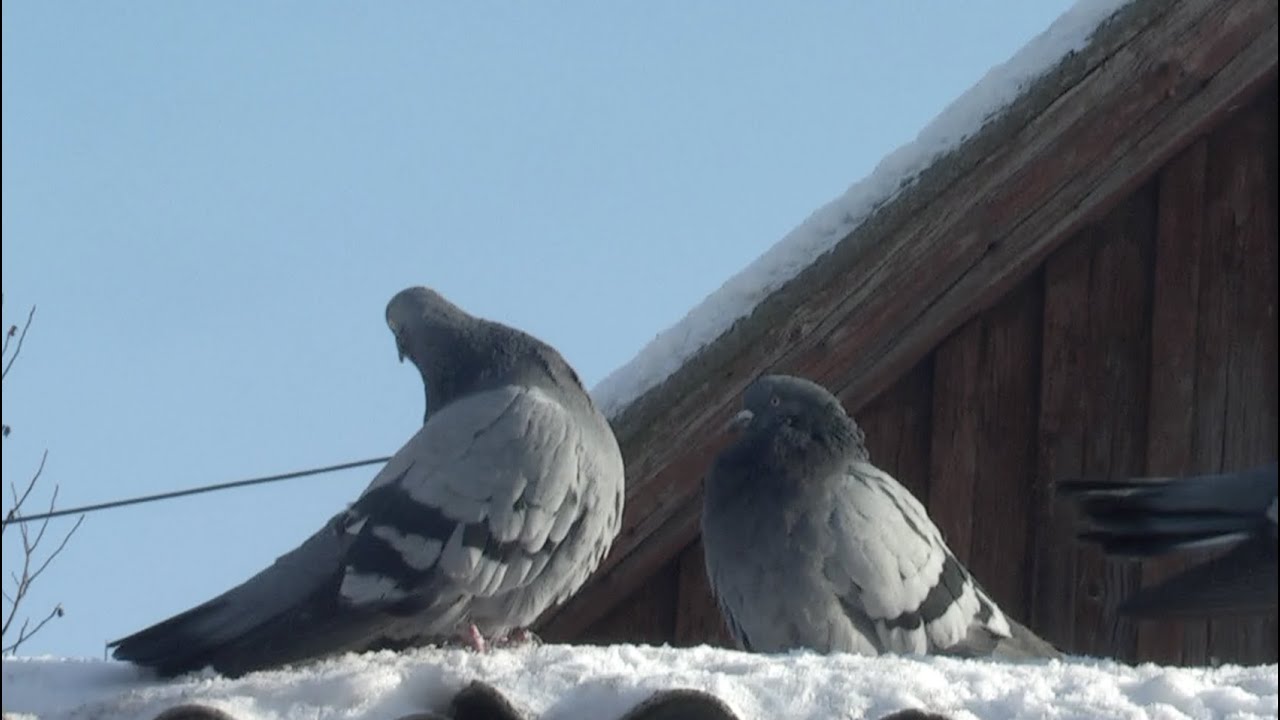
{"points": [[168, 648], [1101, 486], [1138, 543], [171, 660], [172, 653], [142, 648], [162, 658], [1077, 487]]}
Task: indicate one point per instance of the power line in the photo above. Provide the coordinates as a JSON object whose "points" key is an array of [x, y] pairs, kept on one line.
{"points": [[192, 491]]}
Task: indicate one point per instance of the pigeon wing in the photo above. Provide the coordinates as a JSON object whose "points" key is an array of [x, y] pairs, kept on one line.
{"points": [[476, 504], [894, 574]]}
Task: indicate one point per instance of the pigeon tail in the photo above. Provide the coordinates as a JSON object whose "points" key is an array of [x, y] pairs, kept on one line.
{"points": [[191, 641], [285, 613], [1141, 517], [1024, 644], [1021, 644]]}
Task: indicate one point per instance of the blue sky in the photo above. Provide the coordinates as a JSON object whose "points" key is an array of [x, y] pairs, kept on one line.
{"points": [[211, 203]]}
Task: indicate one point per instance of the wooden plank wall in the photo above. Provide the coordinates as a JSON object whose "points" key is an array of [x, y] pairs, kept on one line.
{"points": [[1147, 344]]}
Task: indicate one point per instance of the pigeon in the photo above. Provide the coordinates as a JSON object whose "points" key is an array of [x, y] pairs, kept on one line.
{"points": [[498, 508], [1145, 517], [810, 546]]}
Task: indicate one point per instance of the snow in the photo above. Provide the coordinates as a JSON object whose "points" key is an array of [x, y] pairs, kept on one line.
{"points": [[828, 225], [561, 681]]}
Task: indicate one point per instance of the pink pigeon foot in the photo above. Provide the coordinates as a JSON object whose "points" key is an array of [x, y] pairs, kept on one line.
{"points": [[516, 638], [475, 640]]}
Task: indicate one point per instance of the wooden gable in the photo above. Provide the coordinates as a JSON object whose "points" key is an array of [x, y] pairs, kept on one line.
{"points": [[1086, 285]]}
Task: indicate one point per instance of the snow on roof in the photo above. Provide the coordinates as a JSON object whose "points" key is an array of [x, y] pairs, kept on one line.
{"points": [[566, 682], [1004, 83]]}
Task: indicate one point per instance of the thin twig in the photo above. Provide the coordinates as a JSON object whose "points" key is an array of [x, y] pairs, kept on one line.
{"points": [[58, 550], [53, 502], [21, 583], [17, 348], [24, 636], [18, 501]]}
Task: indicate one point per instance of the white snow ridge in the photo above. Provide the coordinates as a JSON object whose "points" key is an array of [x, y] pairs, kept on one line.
{"points": [[561, 682], [962, 119]]}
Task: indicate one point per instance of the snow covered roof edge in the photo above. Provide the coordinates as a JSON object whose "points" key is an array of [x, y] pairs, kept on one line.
{"points": [[561, 682], [976, 110]]}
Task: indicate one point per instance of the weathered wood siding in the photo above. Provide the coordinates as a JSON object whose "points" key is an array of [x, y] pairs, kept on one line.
{"points": [[1145, 344]]}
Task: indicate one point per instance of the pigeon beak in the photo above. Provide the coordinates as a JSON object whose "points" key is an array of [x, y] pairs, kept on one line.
{"points": [[741, 420]]}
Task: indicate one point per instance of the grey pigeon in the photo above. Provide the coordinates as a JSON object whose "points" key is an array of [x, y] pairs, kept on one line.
{"points": [[1143, 517], [809, 545], [498, 508]]}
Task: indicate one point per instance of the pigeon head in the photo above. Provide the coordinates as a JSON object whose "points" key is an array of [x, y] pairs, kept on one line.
{"points": [[410, 313], [792, 412], [446, 344], [458, 353], [777, 401]]}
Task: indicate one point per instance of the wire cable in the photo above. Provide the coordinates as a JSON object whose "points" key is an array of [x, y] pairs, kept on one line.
{"points": [[20, 519]]}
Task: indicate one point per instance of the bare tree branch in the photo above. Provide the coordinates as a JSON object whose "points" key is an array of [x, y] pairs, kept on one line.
{"points": [[18, 500], [10, 357], [53, 502], [25, 635], [23, 581], [56, 551], [32, 566]]}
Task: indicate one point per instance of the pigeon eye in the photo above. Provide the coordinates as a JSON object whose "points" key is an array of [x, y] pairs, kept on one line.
{"points": [[775, 401]]}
